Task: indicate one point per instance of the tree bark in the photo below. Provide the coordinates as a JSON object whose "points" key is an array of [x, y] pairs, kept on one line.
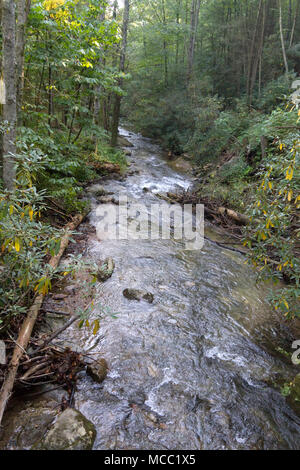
{"points": [[282, 39], [22, 15], [117, 102], [294, 24], [9, 108], [194, 25], [258, 55], [98, 88]]}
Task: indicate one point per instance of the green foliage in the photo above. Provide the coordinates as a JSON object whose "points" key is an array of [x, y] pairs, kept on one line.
{"points": [[274, 234], [25, 241]]}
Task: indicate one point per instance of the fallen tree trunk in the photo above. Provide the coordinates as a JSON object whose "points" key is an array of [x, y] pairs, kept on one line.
{"points": [[241, 219], [28, 324]]}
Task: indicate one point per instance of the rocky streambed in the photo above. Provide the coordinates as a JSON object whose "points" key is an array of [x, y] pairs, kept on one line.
{"points": [[191, 344]]}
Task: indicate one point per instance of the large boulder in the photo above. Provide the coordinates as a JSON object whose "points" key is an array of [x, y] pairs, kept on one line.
{"points": [[138, 294], [71, 431]]}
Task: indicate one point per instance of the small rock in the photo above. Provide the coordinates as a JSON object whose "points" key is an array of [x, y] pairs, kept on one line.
{"points": [[107, 200], [137, 294], [189, 284], [2, 352], [71, 289], [71, 431], [127, 153], [59, 296], [106, 269], [98, 370]]}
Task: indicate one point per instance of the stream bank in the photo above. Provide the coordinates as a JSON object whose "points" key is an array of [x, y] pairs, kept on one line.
{"points": [[196, 368]]}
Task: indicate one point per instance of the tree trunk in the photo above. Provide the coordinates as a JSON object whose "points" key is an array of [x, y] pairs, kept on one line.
{"points": [[251, 56], [98, 88], [117, 103], [282, 39], [294, 23], [9, 108], [258, 56], [22, 15], [193, 32]]}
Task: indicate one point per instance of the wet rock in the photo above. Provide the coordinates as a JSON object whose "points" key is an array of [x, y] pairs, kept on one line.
{"points": [[123, 142], [96, 190], [98, 370], [71, 289], [107, 200], [181, 164], [138, 294], [106, 269], [127, 153], [71, 431], [2, 353], [294, 397]]}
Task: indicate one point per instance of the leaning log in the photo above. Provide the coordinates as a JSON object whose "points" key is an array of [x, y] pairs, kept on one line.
{"points": [[240, 219], [28, 324]]}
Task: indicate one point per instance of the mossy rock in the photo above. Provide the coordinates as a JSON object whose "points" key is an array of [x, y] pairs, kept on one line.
{"points": [[106, 269], [137, 294], [71, 431]]}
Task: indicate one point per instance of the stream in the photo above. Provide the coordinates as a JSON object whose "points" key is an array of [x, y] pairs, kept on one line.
{"points": [[197, 368]]}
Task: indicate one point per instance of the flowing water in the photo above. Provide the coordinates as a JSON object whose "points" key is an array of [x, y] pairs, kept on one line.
{"points": [[197, 368]]}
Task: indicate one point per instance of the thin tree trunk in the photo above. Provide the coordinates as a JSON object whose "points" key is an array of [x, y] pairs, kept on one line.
{"points": [[250, 62], [258, 55], [178, 7], [294, 24], [98, 88], [194, 25], [22, 15], [117, 103], [9, 75], [282, 39], [165, 45]]}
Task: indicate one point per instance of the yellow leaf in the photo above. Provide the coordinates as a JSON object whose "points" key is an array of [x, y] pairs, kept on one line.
{"points": [[30, 213], [96, 326], [17, 244], [270, 185], [11, 209], [289, 173], [290, 195]]}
